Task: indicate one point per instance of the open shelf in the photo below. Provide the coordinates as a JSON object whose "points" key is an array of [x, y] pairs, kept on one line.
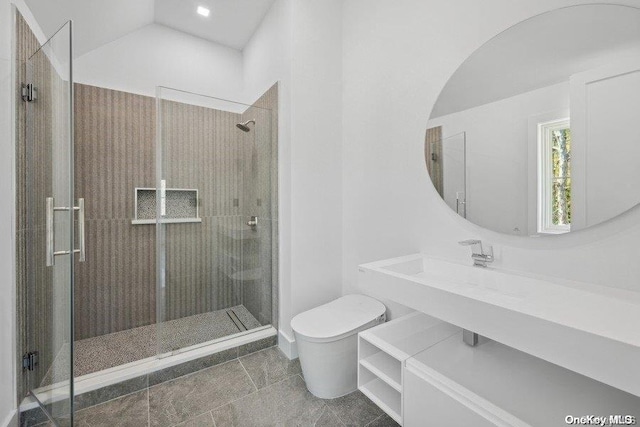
{"points": [[386, 368], [383, 350], [388, 399]]}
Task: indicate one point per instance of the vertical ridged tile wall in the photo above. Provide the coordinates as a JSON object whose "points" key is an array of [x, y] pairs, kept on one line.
{"points": [[433, 147], [202, 150], [260, 175], [114, 153]]}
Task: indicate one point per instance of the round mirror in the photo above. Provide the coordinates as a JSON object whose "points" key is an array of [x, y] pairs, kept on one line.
{"points": [[538, 131]]}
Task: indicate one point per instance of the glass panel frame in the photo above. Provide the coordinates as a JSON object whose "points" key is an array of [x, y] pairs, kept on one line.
{"points": [[49, 178], [207, 270]]}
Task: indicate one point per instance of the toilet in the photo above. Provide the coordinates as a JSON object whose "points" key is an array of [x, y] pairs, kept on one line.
{"points": [[327, 340]]}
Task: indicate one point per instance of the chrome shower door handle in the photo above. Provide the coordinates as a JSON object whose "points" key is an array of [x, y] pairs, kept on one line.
{"points": [[51, 253], [81, 231], [50, 236]]}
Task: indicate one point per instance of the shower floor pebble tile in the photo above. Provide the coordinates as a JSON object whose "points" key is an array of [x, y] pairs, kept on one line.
{"points": [[108, 351], [227, 396]]}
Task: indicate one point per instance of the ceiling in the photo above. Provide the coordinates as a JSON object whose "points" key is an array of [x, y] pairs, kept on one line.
{"points": [[96, 22], [231, 22]]}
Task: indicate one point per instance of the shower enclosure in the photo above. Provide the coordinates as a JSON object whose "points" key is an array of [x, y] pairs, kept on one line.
{"points": [[214, 172], [146, 226]]}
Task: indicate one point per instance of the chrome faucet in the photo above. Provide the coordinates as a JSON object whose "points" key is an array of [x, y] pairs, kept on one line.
{"points": [[479, 256]]}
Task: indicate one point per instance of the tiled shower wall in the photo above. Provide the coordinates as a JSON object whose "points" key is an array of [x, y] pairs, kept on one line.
{"points": [[203, 150], [115, 152], [261, 200]]}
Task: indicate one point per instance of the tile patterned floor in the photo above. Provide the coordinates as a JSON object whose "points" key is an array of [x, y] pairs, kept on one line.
{"points": [[107, 351], [260, 389]]}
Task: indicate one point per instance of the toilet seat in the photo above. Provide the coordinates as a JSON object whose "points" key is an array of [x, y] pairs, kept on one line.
{"points": [[335, 320]]}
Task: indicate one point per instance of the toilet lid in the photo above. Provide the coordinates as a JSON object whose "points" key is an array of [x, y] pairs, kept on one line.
{"points": [[337, 318]]}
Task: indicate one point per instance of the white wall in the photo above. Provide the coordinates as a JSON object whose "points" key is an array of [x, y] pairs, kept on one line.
{"points": [[316, 154], [299, 44], [159, 56], [605, 149], [398, 55], [7, 294], [497, 136]]}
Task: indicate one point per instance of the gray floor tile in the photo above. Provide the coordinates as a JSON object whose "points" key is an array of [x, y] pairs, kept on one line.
{"points": [[176, 401], [127, 411], [328, 419], [286, 403], [269, 366], [33, 417], [383, 421], [354, 409], [202, 420]]}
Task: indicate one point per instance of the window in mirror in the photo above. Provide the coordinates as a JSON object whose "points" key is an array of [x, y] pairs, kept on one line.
{"points": [[554, 177]]}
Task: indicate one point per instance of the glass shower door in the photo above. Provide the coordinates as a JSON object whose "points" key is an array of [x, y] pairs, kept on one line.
{"points": [[214, 227], [50, 216]]}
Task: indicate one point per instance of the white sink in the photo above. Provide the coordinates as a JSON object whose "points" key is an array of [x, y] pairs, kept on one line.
{"points": [[591, 329]]}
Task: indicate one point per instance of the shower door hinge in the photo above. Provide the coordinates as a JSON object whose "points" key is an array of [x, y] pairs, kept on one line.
{"points": [[29, 92], [30, 361]]}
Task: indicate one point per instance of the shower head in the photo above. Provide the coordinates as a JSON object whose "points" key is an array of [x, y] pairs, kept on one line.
{"points": [[244, 127]]}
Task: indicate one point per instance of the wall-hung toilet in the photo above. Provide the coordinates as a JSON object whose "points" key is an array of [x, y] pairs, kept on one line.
{"points": [[327, 340]]}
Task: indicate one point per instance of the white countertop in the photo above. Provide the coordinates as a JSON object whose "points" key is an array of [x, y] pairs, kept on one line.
{"points": [[592, 329]]}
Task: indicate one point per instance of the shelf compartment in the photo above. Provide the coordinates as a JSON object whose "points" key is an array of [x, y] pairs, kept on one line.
{"points": [[181, 204], [386, 368], [386, 397], [383, 350]]}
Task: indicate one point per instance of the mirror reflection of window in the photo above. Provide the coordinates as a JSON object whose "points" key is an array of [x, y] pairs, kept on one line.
{"points": [[554, 175]]}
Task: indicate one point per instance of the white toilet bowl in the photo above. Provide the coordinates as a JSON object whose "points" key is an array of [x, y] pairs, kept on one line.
{"points": [[327, 340]]}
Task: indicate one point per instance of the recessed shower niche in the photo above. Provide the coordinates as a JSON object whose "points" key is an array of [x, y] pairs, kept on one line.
{"points": [[180, 205]]}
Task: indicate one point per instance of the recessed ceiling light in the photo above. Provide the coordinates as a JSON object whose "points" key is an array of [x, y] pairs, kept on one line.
{"points": [[203, 11]]}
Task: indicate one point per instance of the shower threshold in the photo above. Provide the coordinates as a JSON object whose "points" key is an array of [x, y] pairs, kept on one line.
{"points": [[96, 380]]}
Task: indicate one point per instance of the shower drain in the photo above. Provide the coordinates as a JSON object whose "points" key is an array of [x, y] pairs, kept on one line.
{"points": [[236, 320]]}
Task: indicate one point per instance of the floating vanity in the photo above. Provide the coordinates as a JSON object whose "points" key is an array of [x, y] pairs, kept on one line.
{"points": [[456, 385], [586, 328], [418, 370]]}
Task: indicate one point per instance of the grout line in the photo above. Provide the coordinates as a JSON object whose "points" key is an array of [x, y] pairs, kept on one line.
{"points": [[334, 412], [149, 407], [247, 372], [252, 393], [373, 421], [212, 418]]}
